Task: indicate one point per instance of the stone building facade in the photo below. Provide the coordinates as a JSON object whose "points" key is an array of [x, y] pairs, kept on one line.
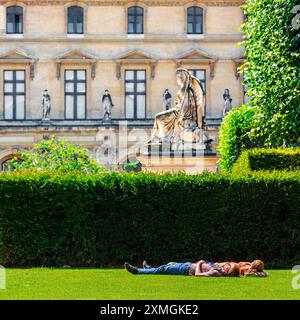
{"points": [[77, 49]]}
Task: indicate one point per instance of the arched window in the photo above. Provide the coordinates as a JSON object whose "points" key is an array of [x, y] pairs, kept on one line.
{"points": [[195, 20], [14, 20], [135, 20], [6, 165], [75, 20]]}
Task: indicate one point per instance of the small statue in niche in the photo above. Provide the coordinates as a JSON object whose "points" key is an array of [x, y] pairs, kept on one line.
{"points": [[167, 99], [227, 102], [46, 103], [107, 105]]}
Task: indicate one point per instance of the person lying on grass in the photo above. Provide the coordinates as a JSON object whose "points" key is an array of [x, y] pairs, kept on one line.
{"points": [[253, 269], [202, 268]]}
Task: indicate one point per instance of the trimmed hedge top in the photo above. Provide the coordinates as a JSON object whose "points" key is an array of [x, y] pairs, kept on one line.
{"points": [[268, 159]]}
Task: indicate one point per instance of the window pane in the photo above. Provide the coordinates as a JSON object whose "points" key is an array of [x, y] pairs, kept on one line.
{"points": [[79, 28], [8, 75], [20, 107], [139, 19], [141, 75], [129, 106], [80, 107], [10, 27], [190, 19], [20, 88], [198, 28], [8, 107], [198, 11], [130, 27], [131, 10], [190, 28], [69, 107], [203, 85], [131, 18], [139, 10], [190, 11], [20, 75], [129, 87], [8, 87], [139, 28], [69, 87], [18, 10], [200, 74], [129, 75], [141, 87], [141, 106], [69, 75], [70, 27], [80, 87], [81, 75]]}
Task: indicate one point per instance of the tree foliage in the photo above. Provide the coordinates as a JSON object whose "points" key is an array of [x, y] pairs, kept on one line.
{"points": [[272, 46], [55, 155]]}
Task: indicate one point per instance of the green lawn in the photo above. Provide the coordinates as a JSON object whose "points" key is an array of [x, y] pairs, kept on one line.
{"points": [[44, 283]]}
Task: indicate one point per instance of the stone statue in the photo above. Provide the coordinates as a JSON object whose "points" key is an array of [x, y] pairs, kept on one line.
{"points": [[184, 122], [46, 103], [227, 102], [167, 97], [107, 105]]}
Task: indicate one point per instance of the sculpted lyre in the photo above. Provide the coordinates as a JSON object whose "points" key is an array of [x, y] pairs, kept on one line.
{"points": [[183, 123]]}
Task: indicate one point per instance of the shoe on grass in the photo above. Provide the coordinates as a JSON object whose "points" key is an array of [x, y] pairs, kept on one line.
{"points": [[146, 265], [130, 268]]}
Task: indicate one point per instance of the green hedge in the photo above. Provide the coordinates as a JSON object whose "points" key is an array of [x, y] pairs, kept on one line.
{"points": [[234, 136], [268, 159], [48, 219]]}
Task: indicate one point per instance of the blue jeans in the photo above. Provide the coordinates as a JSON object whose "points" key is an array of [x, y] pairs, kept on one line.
{"points": [[173, 268]]}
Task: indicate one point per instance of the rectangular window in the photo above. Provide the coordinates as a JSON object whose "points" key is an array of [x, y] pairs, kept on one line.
{"points": [[75, 20], [195, 20], [135, 20], [14, 94], [135, 94], [14, 20], [75, 94], [201, 75]]}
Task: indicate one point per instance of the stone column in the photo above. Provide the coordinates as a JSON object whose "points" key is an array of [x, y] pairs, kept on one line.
{"points": [[2, 20]]}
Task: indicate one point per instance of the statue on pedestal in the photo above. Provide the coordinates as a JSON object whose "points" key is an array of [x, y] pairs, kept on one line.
{"points": [[107, 105], [227, 102], [46, 103], [183, 123], [167, 99]]}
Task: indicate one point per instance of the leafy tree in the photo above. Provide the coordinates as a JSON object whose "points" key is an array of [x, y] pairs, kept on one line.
{"points": [[272, 46], [55, 155]]}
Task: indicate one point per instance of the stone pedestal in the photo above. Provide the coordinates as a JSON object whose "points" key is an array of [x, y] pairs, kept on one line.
{"points": [[190, 161], [46, 122]]}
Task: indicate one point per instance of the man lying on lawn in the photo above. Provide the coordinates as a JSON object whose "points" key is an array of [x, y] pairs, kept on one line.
{"points": [[203, 269]]}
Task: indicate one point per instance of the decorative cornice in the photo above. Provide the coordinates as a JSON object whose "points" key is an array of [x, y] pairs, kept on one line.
{"points": [[76, 57], [124, 2], [19, 56]]}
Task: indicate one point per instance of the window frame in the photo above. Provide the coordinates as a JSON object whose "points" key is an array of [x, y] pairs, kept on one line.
{"points": [[75, 21], [193, 72], [135, 93], [135, 15], [75, 94], [194, 22], [14, 94], [14, 19]]}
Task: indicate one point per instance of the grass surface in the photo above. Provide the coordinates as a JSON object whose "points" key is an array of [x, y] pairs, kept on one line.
{"points": [[45, 283]]}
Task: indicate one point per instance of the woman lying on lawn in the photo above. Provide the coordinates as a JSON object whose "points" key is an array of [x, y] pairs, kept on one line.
{"points": [[201, 269]]}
